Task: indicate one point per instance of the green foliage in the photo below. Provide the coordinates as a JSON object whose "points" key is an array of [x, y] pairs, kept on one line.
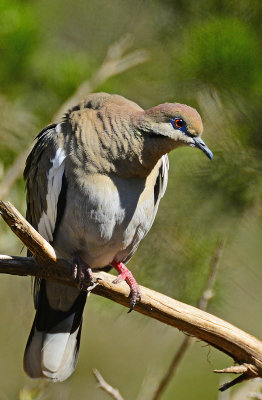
{"points": [[18, 39], [68, 69], [55, 76], [222, 52]]}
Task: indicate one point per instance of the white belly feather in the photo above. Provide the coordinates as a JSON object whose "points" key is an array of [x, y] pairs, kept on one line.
{"points": [[106, 219]]}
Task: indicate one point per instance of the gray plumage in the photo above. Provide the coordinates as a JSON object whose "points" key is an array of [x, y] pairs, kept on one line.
{"points": [[94, 183]]}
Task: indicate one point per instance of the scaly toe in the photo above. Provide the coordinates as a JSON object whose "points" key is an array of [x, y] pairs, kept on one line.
{"points": [[83, 273], [126, 275], [120, 278], [135, 295]]}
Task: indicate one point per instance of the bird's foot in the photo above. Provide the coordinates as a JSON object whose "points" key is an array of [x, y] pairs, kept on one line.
{"points": [[125, 275], [83, 273]]}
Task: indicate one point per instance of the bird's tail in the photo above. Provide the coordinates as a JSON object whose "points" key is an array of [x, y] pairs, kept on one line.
{"points": [[52, 348]]}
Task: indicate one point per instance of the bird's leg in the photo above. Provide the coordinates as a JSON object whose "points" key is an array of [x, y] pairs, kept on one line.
{"points": [[83, 273], [125, 275]]}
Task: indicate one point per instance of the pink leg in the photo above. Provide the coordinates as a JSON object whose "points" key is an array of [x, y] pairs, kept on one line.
{"points": [[125, 275]]}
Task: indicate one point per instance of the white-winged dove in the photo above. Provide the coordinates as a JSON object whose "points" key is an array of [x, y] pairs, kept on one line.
{"points": [[94, 182]]}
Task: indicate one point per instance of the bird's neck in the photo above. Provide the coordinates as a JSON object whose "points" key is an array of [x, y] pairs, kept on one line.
{"points": [[154, 147]]}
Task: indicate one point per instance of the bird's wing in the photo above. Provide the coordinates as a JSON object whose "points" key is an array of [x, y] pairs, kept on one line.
{"points": [[46, 185], [161, 181], [160, 185]]}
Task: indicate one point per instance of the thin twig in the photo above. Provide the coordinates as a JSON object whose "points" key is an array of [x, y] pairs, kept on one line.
{"points": [[214, 263], [178, 357], [202, 304], [250, 389], [226, 394], [255, 396], [114, 393], [113, 64], [245, 349]]}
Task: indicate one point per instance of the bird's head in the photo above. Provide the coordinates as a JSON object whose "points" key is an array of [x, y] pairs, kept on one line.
{"points": [[178, 122]]}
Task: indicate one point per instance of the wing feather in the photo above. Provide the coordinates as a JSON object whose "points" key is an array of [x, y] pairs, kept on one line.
{"points": [[161, 181], [45, 176]]}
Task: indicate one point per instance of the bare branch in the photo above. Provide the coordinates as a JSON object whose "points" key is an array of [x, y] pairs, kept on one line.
{"points": [[255, 396], [214, 263], [235, 369], [202, 304], [114, 393], [178, 357], [243, 348], [239, 379], [249, 390]]}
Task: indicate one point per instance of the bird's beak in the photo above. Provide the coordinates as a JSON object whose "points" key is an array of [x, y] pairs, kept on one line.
{"points": [[200, 144]]}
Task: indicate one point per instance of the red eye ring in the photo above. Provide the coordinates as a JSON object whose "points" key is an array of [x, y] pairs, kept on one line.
{"points": [[178, 122]]}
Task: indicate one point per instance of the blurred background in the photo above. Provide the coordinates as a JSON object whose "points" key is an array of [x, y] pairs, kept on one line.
{"points": [[206, 54]]}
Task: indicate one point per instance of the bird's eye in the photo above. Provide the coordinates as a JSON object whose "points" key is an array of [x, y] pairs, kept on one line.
{"points": [[177, 123]]}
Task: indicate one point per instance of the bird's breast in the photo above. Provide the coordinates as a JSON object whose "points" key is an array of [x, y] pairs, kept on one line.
{"points": [[105, 218]]}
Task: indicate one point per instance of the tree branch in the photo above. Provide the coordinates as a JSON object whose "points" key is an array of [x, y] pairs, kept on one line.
{"points": [[114, 393], [245, 349]]}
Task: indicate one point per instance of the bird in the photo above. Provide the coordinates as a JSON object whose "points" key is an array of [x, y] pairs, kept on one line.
{"points": [[94, 181]]}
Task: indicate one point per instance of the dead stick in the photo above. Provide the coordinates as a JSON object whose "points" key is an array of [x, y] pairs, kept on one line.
{"points": [[245, 349], [114, 393]]}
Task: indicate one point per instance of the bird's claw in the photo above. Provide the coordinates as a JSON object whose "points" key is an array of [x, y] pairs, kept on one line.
{"points": [[82, 272], [126, 275], [135, 294]]}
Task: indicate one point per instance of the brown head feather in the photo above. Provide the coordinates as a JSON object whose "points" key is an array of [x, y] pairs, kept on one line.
{"points": [[167, 111]]}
